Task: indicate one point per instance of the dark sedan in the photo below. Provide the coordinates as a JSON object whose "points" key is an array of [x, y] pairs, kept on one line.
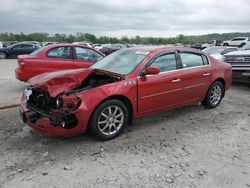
{"points": [[110, 48], [17, 49]]}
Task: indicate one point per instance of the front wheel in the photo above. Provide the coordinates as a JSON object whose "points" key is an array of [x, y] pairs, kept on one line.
{"points": [[109, 119], [214, 95]]}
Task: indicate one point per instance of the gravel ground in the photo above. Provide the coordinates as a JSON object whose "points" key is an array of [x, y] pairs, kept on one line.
{"points": [[11, 88], [187, 147]]}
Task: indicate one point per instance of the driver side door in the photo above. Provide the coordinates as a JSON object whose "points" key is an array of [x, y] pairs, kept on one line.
{"points": [[163, 90]]}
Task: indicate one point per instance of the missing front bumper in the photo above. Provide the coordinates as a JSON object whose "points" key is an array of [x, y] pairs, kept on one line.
{"points": [[66, 121]]}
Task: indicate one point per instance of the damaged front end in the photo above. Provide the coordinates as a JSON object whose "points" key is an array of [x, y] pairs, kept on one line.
{"points": [[60, 110], [60, 106]]}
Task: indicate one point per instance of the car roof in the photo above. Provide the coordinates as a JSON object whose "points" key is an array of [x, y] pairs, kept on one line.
{"points": [[163, 48], [67, 44]]}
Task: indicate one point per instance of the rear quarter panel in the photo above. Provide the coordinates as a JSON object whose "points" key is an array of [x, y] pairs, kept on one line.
{"points": [[221, 70]]}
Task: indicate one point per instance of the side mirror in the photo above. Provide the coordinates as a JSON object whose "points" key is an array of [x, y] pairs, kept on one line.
{"points": [[151, 70]]}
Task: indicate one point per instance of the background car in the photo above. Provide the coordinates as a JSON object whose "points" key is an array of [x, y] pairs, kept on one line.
{"points": [[84, 43], [246, 47], [8, 43], [211, 43], [55, 57], [132, 82], [237, 41], [48, 43], [218, 51], [17, 49], [110, 48], [240, 62]]}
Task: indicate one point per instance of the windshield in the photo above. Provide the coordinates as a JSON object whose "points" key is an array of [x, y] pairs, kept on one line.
{"points": [[122, 61]]}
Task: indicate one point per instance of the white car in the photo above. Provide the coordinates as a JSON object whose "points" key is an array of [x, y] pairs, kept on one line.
{"points": [[237, 41]]}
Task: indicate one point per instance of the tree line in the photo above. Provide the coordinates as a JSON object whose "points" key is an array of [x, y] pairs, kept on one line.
{"points": [[44, 37]]}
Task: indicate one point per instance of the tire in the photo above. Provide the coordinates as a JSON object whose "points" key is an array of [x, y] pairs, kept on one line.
{"points": [[214, 95], [243, 44], [109, 119], [3, 55], [225, 44]]}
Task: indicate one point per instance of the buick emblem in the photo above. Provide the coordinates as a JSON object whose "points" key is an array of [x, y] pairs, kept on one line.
{"points": [[240, 59]]}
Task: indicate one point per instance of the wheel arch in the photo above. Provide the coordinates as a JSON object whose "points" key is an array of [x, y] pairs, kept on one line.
{"points": [[121, 98], [220, 79]]}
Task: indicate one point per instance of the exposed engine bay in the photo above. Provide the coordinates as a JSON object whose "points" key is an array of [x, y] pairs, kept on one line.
{"points": [[61, 109]]}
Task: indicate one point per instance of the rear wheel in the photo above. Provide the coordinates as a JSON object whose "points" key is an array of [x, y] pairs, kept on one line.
{"points": [[243, 44], [109, 119], [214, 95], [3, 55], [225, 44]]}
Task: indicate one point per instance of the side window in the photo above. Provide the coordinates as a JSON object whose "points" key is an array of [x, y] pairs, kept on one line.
{"points": [[165, 63], [238, 39], [87, 54], [191, 60], [60, 52], [26, 46], [17, 46]]}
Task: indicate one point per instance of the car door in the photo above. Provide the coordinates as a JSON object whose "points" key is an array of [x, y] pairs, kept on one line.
{"points": [[237, 41], [27, 49], [58, 58], [196, 76], [163, 90], [15, 50], [85, 57]]}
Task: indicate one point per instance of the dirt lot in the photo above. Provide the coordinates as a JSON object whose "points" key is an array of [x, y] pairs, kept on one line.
{"points": [[188, 147]]}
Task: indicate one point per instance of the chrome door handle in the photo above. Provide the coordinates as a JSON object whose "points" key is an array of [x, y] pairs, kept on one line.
{"points": [[176, 80], [206, 74]]}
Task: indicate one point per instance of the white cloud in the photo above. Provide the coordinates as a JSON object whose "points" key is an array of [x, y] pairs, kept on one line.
{"points": [[125, 17]]}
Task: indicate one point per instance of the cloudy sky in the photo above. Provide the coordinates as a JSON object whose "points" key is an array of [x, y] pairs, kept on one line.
{"points": [[157, 18]]}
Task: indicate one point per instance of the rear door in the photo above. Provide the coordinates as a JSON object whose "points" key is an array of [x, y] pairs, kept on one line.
{"points": [[163, 90], [27, 49], [85, 57], [195, 76]]}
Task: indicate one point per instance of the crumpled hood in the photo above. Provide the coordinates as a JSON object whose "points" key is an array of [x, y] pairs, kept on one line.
{"points": [[57, 82]]}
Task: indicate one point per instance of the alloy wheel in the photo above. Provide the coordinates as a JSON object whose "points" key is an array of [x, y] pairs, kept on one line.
{"points": [[110, 120], [216, 94]]}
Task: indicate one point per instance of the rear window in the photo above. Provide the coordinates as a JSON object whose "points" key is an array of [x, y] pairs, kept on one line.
{"points": [[36, 52], [192, 59], [63, 52]]}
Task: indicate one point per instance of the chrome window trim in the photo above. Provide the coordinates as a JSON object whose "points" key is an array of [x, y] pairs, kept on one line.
{"points": [[208, 65]]}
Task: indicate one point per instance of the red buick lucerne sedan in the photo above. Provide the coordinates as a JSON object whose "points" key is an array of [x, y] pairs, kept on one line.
{"points": [[55, 57], [127, 84]]}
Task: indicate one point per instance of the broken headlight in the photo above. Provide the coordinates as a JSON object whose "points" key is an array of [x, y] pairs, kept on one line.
{"points": [[59, 102], [68, 102]]}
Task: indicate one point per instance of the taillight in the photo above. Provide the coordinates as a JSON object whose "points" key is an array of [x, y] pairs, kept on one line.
{"points": [[22, 64]]}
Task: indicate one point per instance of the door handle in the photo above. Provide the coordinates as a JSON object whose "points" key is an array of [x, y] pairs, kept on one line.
{"points": [[176, 80], [206, 74]]}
